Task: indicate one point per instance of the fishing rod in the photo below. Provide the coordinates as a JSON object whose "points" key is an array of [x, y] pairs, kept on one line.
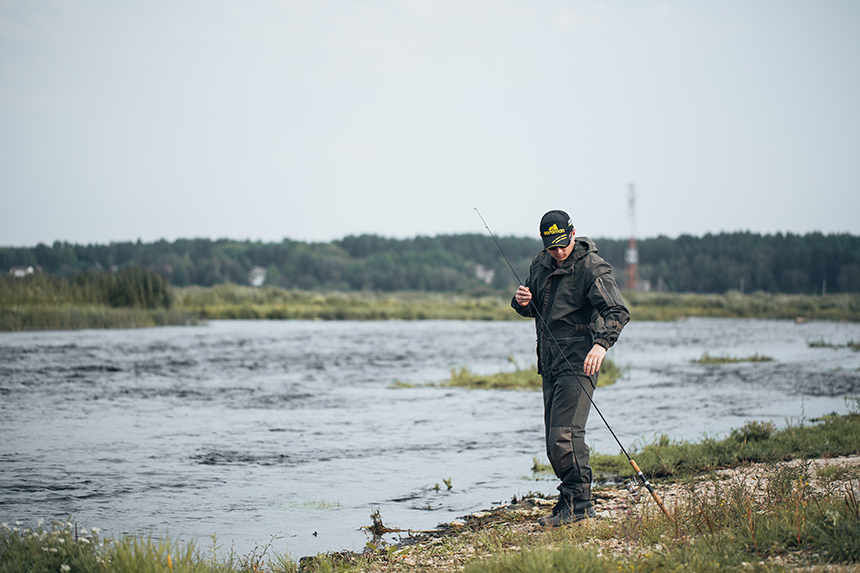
{"points": [[639, 473]]}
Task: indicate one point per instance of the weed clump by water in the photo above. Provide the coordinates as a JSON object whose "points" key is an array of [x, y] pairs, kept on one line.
{"points": [[521, 378], [64, 548], [708, 359]]}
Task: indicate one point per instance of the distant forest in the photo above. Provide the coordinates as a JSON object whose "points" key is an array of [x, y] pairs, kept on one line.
{"points": [[469, 263]]}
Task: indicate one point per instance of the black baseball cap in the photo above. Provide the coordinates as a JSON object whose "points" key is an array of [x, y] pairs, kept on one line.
{"points": [[556, 230]]}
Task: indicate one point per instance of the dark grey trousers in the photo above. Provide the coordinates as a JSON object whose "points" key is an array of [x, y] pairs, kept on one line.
{"points": [[566, 409]]}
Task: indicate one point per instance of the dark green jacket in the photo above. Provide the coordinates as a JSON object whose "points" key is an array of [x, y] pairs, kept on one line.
{"points": [[580, 303]]}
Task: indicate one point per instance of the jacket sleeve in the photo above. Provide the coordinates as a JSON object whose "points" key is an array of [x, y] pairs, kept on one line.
{"points": [[527, 311], [605, 296]]}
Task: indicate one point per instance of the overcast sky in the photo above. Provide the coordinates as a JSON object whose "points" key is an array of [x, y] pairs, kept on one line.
{"points": [[313, 120]]}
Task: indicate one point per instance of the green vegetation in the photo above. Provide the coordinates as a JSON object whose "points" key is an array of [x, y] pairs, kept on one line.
{"points": [[64, 549], [708, 359], [444, 277], [672, 306], [785, 516], [132, 297], [232, 301], [783, 263], [132, 287], [779, 522], [136, 297], [824, 344], [755, 442], [519, 379], [78, 317]]}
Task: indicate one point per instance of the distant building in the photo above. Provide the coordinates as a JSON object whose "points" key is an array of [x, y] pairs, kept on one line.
{"points": [[483, 274], [21, 272], [257, 276]]}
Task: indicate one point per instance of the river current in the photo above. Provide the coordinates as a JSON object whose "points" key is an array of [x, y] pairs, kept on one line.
{"points": [[293, 431]]}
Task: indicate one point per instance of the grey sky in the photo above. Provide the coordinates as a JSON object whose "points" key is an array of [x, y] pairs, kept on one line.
{"points": [[315, 120]]}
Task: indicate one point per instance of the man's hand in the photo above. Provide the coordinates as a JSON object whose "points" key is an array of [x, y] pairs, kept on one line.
{"points": [[594, 359], [523, 295]]}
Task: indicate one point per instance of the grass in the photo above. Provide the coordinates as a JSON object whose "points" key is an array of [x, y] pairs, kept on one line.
{"points": [[33, 309], [671, 306], [232, 301], [728, 530], [62, 548], [792, 515], [708, 359], [774, 517], [13, 319], [519, 379], [824, 344], [313, 505], [755, 442]]}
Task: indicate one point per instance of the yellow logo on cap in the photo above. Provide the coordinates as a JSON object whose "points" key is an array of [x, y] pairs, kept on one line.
{"points": [[554, 230]]}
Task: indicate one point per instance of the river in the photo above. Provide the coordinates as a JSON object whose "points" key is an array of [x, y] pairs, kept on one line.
{"points": [[292, 431]]}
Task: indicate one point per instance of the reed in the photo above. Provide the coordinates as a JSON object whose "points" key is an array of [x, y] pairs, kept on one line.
{"points": [[519, 379], [708, 359], [232, 302], [132, 287], [29, 303], [14, 319], [671, 306], [131, 298]]}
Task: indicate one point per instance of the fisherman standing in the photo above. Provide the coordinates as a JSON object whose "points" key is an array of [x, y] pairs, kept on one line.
{"points": [[571, 292]]}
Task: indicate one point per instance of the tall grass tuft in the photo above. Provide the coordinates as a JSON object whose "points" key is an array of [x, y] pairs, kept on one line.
{"points": [[65, 549], [133, 287], [131, 298], [521, 378]]}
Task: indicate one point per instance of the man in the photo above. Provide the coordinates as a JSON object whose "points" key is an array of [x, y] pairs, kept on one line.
{"points": [[572, 293]]}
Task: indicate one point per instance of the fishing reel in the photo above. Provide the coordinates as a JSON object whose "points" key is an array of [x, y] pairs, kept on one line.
{"points": [[633, 490]]}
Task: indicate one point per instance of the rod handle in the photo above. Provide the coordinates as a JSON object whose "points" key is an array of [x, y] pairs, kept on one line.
{"points": [[651, 490]]}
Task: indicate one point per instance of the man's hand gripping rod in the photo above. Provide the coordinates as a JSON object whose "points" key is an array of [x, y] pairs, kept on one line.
{"points": [[639, 473]]}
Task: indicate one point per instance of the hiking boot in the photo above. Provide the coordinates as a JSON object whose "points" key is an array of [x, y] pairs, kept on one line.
{"points": [[564, 513]]}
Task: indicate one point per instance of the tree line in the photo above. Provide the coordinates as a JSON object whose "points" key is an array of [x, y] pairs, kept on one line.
{"points": [[468, 263]]}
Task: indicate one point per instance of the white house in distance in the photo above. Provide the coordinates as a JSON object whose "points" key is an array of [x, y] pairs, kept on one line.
{"points": [[257, 276], [21, 272]]}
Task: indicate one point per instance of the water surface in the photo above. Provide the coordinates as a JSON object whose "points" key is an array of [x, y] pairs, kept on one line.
{"points": [[251, 429]]}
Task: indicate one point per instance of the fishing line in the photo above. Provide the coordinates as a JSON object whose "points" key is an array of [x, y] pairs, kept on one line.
{"points": [[639, 473]]}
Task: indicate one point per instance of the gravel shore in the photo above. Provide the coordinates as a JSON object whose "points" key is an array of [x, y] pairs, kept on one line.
{"points": [[513, 526]]}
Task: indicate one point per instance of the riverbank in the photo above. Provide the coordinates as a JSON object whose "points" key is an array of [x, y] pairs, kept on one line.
{"points": [[193, 305], [798, 515], [789, 513], [760, 499], [232, 301]]}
